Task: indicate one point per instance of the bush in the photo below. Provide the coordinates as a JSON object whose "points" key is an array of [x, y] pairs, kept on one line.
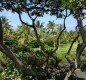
{"points": [[10, 42], [33, 44], [10, 74]]}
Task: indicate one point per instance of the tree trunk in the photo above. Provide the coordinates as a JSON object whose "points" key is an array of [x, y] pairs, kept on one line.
{"points": [[81, 46], [1, 32]]}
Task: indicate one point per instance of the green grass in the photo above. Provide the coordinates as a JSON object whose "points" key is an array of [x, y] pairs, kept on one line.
{"points": [[65, 47], [63, 50]]}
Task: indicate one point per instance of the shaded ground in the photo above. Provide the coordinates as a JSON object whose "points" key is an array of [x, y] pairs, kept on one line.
{"points": [[78, 73]]}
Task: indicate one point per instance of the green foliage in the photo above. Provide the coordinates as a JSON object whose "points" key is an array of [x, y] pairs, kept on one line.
{"points": [[37, 7], [7, 69], [70, 4], [48, 41], [48, 48], [83, 66], [83, 56], [23, 33], [21, 48], [10, 42], [10, 74], [33, 44]]}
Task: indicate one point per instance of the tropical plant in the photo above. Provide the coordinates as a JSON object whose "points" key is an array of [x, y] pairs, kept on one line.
{"points": [[23, 32], [6, 27], [51, 27]]}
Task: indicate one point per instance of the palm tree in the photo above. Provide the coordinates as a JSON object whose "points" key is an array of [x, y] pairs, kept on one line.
{"points": [[6, 27], [23, 31], [39, 27], [51, 30]]}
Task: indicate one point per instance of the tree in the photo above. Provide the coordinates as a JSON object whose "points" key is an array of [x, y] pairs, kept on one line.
{"points": [[36, 8], [39, 27], [52, 32], [6, 27], [24, 32], [8, 32], [76, 9], [51, 28]]}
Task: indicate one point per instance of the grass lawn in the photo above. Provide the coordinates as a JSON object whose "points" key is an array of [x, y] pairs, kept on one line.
{"points": [[63, 50]]}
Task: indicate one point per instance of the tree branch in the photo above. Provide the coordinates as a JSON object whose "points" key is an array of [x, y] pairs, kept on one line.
{"points": [[67, 54], [72, 65], [24, 22], [57, 45], [79, 51], [84, 18], [31, 17], [38, 40]]}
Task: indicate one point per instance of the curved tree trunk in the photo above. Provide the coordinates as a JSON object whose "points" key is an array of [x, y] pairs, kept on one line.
{"points": [[80, 46]]}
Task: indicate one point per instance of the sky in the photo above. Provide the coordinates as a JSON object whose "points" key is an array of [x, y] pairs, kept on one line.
{"points": [[14, 20]]}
